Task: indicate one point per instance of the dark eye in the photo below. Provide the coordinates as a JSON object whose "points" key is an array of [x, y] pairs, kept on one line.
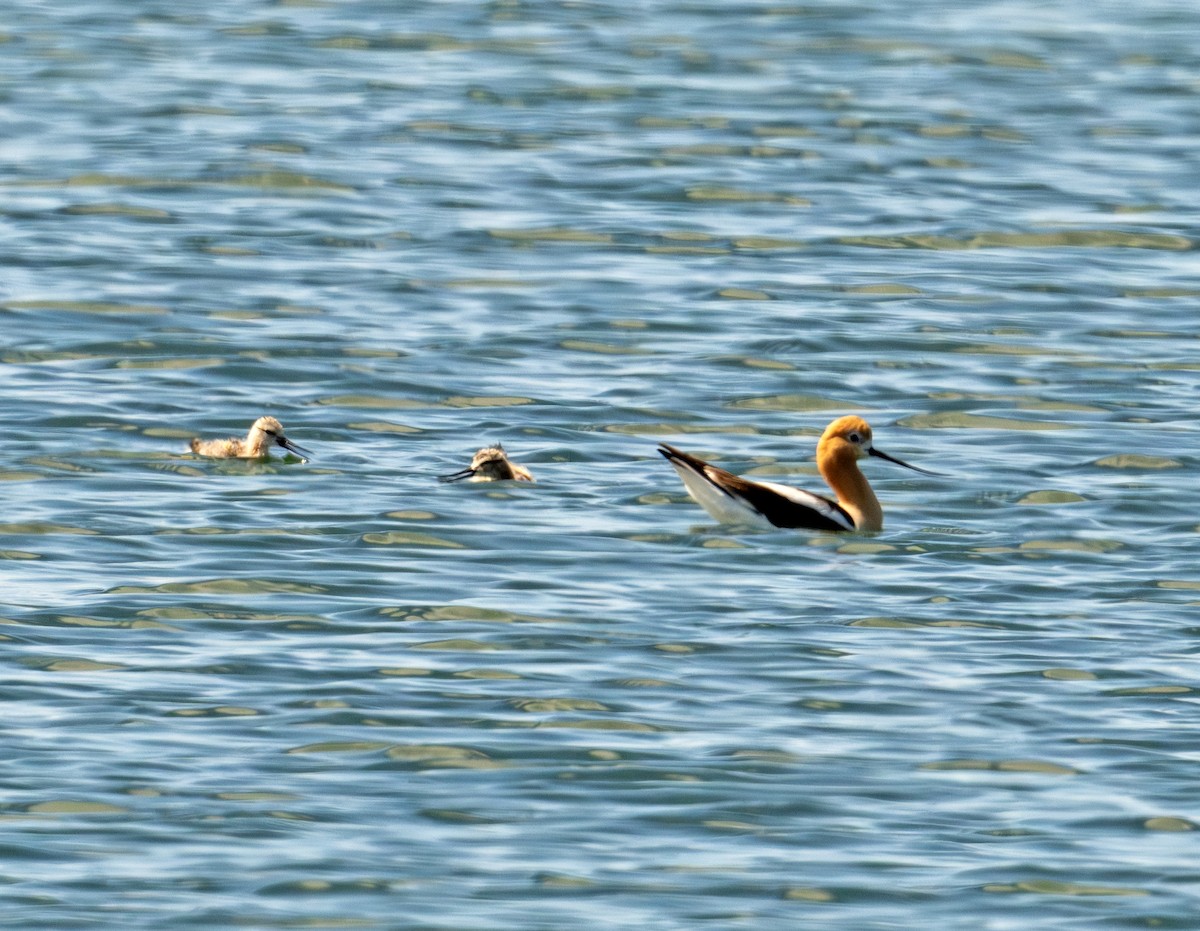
{"points": [[854, 438], [270, 433]]}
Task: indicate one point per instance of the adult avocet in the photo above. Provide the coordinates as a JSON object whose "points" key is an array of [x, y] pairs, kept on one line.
{"points": [[265, 433], [490, 465], [734, 500]]}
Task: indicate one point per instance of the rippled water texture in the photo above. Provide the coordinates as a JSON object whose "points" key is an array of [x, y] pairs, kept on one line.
{"points": [[337, 693]]}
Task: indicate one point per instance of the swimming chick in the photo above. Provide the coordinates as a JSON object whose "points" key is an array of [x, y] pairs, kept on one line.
{"points": [[265, 433], [736, 500], [491, 465]]}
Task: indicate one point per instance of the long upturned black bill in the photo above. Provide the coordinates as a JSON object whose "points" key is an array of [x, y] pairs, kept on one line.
{"points": [[293, 447], [900, 462], [456, 476]]}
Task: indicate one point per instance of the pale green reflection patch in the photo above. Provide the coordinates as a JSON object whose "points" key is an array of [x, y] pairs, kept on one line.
{"points": [[790, 402], [1039, 767], [74, 807], [221, 587], [960, 420], [409, 538], [462, 613], [1053, 887], [1138, 461]]}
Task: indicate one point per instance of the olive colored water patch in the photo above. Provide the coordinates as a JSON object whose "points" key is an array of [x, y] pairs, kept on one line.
{"points": [[75, 807], [599, 348], [229, 252], [1025, 402], [457, 645], [382, 426], [461, 401], [678, 249], [222, 587], [457, 816], [37, 356], [807, 894], [1137, 461], [744, 294], [1179, 584], [558, 880], [786, 130], [668, 429], [945, 131], [898, 623], [1007, 58], [729, 825], [169, 433], [1159, 293], [38, 527], [1074, 239], [53, 664], [1169, 824], [342, 746], [493, 674], [463, 613], [771, 757], [435, 756], [742, 195], [693, 236], [790, 402], [189, 613], [601, 724], [424, 42], [14, 475], [959, 420], [118, 210], [168, 364], [703, 149], [279, 181], [1069, 675], [261, 796], [865, 548], [1051, 496], [682, 649], [1153, 691], [405, 672], [720, 150], [1055, 887], [74, 620], [409, 538], [1072, 546], [767, 244], [58, 465], [720, 543], [314, 887], [1038, 767], [1023, 349], [552, 235], [756, 363], [892, 289], [372, 401], [682, 122], [88, 307], [240, 532], [553, 705]]}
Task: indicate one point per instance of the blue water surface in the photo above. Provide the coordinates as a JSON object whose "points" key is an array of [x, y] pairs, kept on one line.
{"points": [[338, 694]]}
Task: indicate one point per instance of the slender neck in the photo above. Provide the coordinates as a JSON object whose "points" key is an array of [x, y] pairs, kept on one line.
{"points": [[256, 443], [841, 473]]}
